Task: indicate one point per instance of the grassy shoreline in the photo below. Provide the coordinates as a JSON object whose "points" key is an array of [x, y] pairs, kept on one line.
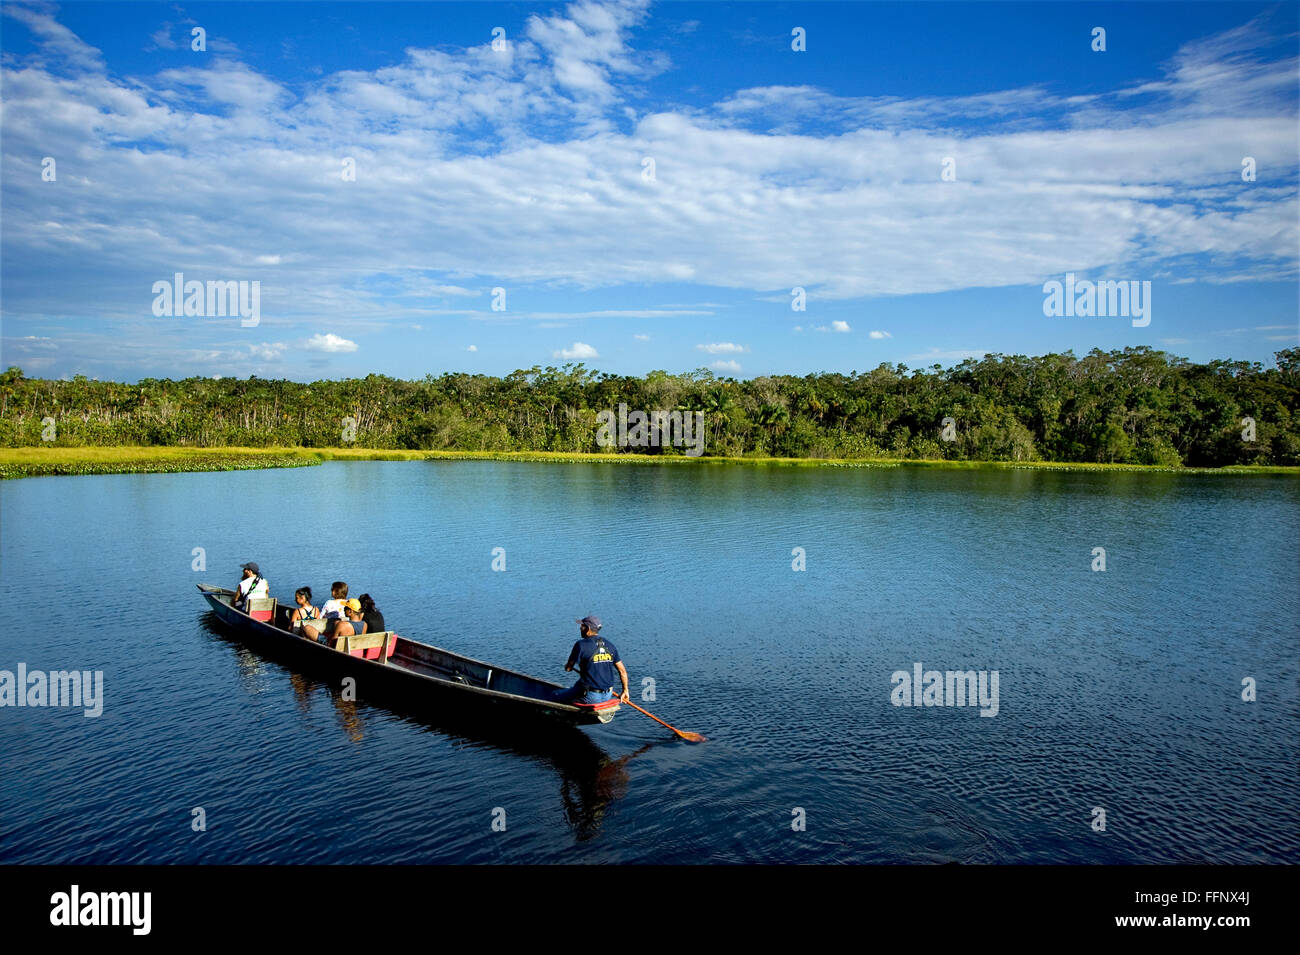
{"points": [[125, 459]]}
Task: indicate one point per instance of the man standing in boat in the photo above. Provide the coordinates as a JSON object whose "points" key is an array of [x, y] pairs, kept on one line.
{"points": [[598, 663]]}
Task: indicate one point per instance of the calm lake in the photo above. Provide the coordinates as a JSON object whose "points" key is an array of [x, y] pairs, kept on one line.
{"points": [[1119, 690]]}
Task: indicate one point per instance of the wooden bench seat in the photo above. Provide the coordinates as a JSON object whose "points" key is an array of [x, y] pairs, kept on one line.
{"points": [[370, 646], [261, 608]]}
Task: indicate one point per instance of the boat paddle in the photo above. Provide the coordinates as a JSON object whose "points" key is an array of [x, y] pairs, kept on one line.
{"points": [[689, 737]]}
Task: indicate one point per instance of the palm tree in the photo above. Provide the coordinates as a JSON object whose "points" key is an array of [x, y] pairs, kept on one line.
{"points": [[776, 418], [717, 402]]}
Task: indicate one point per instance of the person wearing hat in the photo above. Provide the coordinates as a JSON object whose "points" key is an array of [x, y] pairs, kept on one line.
{"points": [[353, 624], [252, 584], [598, 664]]}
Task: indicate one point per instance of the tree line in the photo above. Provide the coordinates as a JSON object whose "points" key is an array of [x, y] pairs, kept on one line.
{"points": [[1137, 405]]}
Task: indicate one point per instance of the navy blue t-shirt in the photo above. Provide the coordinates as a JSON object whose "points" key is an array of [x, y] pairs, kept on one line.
{"points": [[595, 664]]}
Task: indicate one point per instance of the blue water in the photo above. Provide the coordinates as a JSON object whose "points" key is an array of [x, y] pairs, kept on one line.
{"points": [[1119, 690]]}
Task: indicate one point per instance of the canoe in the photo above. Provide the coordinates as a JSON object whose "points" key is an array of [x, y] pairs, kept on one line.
{"points": [[392, 664]]}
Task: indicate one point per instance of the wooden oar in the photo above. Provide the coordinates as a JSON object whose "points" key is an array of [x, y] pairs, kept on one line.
{"points": [[689, 737]]}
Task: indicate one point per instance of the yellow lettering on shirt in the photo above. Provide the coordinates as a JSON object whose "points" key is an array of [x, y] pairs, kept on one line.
{"points": [[602, 658]]}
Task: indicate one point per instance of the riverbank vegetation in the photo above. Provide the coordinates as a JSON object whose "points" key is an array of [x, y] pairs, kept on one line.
{"points": [[1132, 407], [45, 461]]}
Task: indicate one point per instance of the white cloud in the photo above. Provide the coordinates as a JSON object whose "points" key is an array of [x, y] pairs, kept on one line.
{"points": [[642, 338], [601, 313], [267, 351], [579, 350], [329, 343], [588, 43], [839, 326], [226, 83], [723, 348], [163, 38], [472, 348], [878, 334], [55, 38], [538, 136], [726, 365]]}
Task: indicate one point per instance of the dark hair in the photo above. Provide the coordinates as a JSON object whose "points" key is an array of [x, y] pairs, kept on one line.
{"points": [[367, 604], [338, 589], [303, 592]]}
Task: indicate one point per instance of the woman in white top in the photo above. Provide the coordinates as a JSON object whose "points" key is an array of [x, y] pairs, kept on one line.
{"points": [[330, 611]]}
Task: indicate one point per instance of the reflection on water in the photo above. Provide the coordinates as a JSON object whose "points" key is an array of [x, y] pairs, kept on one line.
{"points": [[591, 779], [302, 689], [349, 716], [251, 667], [590, 790]]}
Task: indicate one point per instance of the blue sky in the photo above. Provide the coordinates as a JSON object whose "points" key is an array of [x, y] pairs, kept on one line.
{"points": [[523, 169]]}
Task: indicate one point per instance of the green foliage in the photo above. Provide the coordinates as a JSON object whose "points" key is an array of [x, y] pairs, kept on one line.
{"points": [[1160, 452], [127, 465], [1135, 406]]}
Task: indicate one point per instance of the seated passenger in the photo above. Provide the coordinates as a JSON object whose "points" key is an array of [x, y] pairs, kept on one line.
{"points": [[353, 625], [330, 613], [305, 611], [252, 584], [374, 619]]}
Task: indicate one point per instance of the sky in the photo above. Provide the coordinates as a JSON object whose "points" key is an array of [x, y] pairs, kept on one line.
{"points": [[640, 186]]}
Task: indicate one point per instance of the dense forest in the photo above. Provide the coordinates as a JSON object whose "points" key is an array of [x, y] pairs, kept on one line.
{"points": [[1132, 406]]}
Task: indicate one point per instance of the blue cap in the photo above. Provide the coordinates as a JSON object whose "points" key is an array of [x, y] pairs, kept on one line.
{"points": [[253, 567], [590, 622]]}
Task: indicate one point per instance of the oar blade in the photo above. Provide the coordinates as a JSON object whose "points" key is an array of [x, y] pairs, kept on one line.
{"points": [[689, 737]]}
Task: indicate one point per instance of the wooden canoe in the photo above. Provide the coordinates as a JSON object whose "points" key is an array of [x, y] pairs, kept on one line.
{"points": [[415, 670]]}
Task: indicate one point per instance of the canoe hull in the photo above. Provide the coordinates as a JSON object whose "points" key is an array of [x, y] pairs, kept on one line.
{"points": [[416, 673]]}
